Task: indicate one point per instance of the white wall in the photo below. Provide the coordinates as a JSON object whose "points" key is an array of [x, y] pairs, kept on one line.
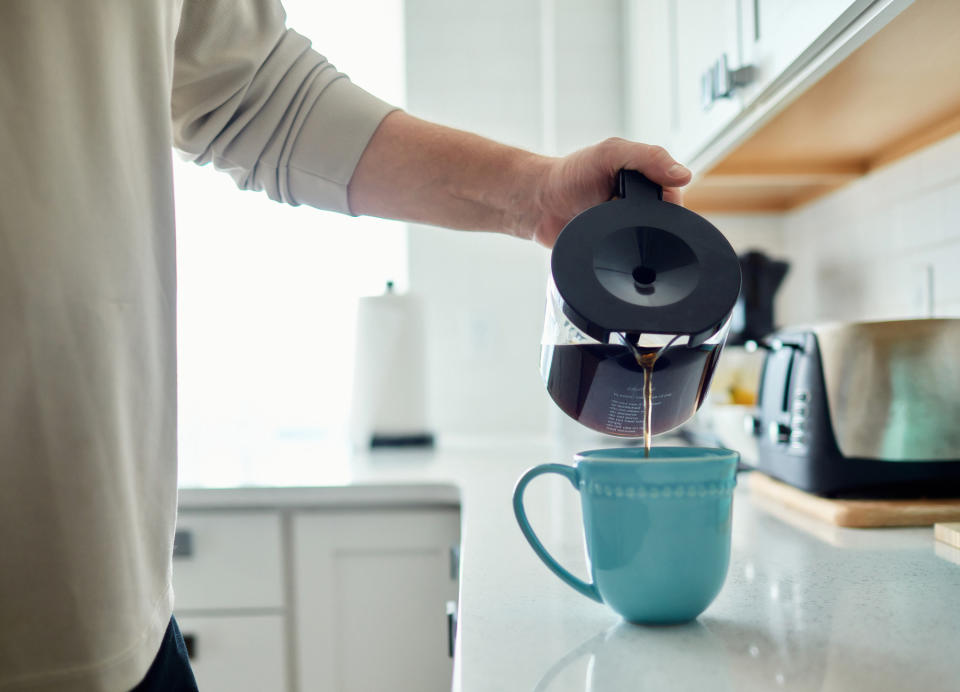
{"points": [[583, 80], [762, 232], [541, 75], [869, 250]]}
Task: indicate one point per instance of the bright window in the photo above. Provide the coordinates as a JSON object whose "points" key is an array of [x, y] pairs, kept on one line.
{"points": [[267, 293]]}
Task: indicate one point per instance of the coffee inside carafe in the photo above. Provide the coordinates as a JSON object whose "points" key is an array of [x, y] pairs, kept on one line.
{"points": [[602, 385]]}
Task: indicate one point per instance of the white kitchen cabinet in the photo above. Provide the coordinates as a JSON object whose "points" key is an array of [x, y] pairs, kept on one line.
{"points": [[670, 47], [237, 653], [277, 590], [228, 574], [228, 560], [371, 589], [779, 36], [703, 34], [773, 50]]}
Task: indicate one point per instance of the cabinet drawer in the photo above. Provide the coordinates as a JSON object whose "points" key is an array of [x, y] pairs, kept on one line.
{"points": [[226, 560], [236, 654]]}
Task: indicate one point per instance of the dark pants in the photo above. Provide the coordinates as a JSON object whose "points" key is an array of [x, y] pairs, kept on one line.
{"points": [[170, 670]]}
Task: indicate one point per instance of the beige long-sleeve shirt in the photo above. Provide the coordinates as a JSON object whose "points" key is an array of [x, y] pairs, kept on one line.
{"points": [[93, 94]]}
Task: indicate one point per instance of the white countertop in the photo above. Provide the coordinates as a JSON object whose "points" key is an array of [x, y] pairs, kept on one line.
{"points": [[806, 606]]}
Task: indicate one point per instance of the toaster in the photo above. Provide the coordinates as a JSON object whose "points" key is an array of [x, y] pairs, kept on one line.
{"points": [[866, 409]]}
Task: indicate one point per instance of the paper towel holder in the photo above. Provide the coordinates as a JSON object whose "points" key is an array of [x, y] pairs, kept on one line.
{"points": [[389, 408]]}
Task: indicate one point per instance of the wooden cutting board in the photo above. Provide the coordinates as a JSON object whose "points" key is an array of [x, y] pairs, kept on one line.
{"points": [[856, 513], [948, 533]]}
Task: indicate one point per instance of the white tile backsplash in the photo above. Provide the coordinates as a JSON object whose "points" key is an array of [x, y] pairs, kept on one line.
{"points": [[761, 232], [864, 252]]}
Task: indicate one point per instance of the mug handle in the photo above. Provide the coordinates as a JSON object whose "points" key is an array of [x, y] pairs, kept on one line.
{"points": [[570, 473]]}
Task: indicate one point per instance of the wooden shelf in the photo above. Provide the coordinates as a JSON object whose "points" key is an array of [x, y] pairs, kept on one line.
{"points": [[898, 92]]}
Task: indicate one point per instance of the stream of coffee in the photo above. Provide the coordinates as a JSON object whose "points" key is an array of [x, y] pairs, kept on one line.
{"points": [[646, 361]]}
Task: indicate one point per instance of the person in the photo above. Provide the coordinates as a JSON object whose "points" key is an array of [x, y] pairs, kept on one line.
{"points": [[93, 93]]}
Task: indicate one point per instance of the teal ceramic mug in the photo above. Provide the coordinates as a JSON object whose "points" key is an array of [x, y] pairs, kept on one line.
{"points": [[657, 529]]}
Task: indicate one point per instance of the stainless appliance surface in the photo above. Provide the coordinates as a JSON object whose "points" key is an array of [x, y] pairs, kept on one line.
{"points": [[862, 408], [894, 388]]}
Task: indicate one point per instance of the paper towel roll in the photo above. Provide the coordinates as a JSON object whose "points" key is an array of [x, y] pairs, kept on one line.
{"points": [[389, 402]]}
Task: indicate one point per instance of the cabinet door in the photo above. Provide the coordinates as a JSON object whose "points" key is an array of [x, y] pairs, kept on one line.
{"points": [[779, 36], [371, 591], [243, 653], [703, 32]]}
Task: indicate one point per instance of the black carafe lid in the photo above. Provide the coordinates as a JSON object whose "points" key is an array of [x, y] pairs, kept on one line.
{"points": [[640, 265]]}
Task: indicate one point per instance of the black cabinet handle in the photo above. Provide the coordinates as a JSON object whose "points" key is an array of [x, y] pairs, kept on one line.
{"points": [[190, 642], [451, 627]]}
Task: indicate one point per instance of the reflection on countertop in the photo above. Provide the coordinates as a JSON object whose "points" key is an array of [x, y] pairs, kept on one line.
{"points": [[660, 658]]}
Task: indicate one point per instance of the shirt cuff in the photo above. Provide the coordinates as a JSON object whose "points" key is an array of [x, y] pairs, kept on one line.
{"points": [[329, 145]]}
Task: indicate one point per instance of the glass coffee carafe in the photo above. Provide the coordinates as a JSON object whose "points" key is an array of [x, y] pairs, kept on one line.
{"points": [[638, 307]]}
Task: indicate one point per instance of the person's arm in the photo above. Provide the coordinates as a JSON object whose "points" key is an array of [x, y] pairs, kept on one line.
{"points": [[257, 101], [418, 171], [254, 98]]}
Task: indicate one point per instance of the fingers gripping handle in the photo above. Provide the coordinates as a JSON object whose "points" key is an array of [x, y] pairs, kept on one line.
{"points": [[570, 473]]}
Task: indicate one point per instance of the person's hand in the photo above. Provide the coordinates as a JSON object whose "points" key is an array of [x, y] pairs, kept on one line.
{"points": [[414, 170], [564, 187]]}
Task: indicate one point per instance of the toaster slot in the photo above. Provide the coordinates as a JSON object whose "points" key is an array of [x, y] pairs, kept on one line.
{"points": [[774, 381], [788, 379], [763, 377], [780, 377]]}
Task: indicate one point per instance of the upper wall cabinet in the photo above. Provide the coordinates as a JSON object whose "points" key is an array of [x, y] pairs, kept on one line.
{"points": [[709, 73], [778, 37], [775, 102], [693, 65], [678, 53]]}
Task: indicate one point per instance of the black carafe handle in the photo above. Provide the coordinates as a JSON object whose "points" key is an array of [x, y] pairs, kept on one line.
{"points": [[636, 187]]}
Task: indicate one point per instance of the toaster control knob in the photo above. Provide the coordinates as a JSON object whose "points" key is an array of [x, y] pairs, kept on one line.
{"points": [[779, 432]]}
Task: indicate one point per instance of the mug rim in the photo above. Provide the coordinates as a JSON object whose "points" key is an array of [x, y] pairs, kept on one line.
{"points": [[635, 454]]}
